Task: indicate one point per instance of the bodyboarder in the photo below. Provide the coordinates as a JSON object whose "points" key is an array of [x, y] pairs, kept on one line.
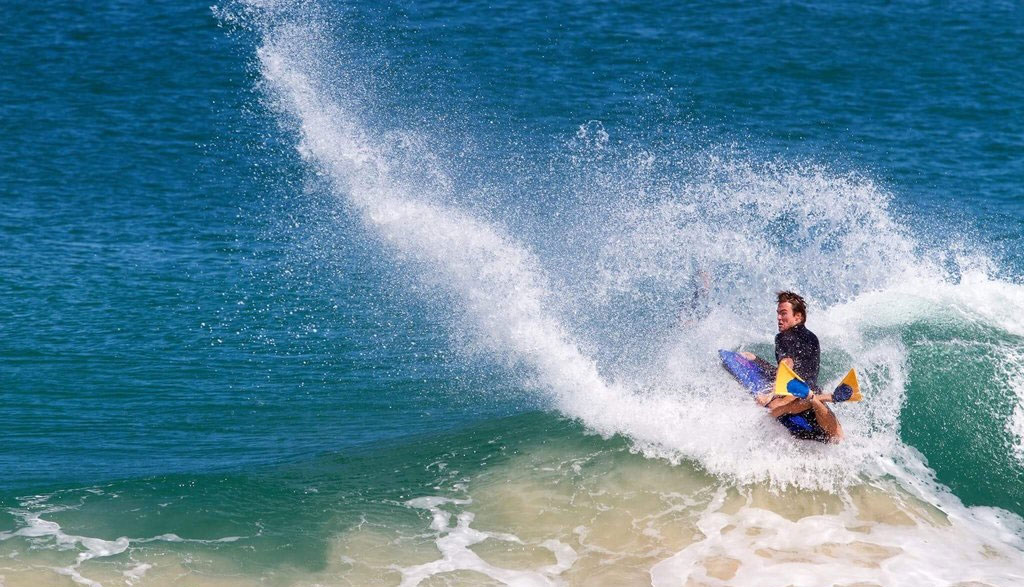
{"points": [[796, 346]]}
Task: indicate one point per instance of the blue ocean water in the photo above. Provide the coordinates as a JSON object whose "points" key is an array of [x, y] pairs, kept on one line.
{"points": [[272, 270]]}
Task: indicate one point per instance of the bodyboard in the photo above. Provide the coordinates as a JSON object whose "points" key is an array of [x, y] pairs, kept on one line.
{"points": [[750, 374]]}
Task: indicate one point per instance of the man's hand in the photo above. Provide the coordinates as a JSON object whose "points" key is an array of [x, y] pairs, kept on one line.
{"points": [[748, 356]]}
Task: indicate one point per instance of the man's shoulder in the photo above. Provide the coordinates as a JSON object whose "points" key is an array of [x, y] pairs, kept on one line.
{"points": [[804, 333], [796, 333]]}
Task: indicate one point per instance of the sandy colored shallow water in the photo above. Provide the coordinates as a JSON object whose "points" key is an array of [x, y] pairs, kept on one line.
{"points": [[551, 517]]}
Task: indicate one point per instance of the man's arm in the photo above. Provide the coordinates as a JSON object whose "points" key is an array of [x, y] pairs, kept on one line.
{"points": [[788, 404], [826, 419], [768, 368], [752, 357]]}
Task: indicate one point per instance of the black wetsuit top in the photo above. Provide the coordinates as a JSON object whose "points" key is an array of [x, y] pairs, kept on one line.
{"points": [[801, 345]]}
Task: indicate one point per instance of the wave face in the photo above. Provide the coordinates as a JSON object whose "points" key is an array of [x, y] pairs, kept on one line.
{"points": [[609, 303]]}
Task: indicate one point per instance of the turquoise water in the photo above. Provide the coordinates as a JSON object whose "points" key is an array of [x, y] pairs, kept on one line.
{"points": [[287, 283]]}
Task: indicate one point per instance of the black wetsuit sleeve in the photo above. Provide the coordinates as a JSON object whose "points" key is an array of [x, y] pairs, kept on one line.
{"points": [[786, 345]]}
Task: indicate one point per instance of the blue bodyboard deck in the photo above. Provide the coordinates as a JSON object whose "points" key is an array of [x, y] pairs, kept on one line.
{"points": [[750, 374]]}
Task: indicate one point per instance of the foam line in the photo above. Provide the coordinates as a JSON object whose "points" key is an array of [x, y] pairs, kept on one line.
{"points": [[455, 542]]}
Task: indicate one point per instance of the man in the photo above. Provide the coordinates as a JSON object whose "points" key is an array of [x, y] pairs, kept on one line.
{"points": [[798, 348]]}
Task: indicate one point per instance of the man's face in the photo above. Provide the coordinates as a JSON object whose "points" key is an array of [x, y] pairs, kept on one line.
{"points": [[786, 318]]}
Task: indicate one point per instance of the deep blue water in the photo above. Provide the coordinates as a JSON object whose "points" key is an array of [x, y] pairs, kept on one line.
{"points": [[156, 319]]}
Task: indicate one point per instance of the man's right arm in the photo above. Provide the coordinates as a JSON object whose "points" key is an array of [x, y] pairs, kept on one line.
{"points": [[785, 348], [788, 404]]}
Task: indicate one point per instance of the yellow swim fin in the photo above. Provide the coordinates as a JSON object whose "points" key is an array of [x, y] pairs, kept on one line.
{"points": [[789, 383], [848, 389]]}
